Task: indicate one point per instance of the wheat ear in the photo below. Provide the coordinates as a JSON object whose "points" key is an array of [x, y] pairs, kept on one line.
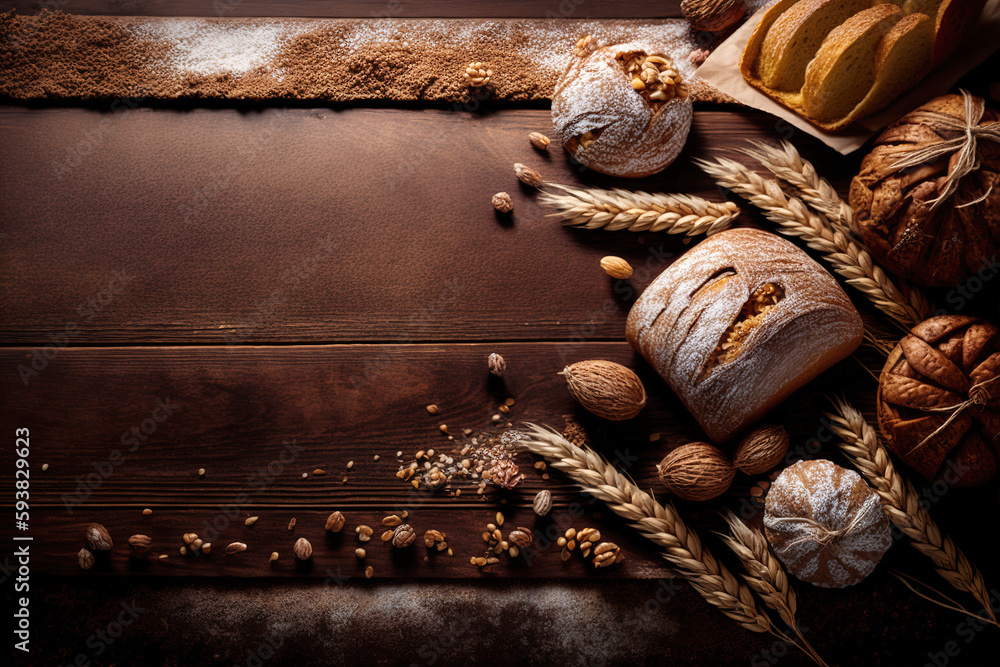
{"points": [[765, 574], [660, 524], [613, 210], [845, 255], [785, 162], [859, 441]]}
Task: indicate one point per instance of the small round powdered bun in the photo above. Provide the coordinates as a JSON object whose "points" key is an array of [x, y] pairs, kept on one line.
{"points": [[826, 525], [622, 110]]}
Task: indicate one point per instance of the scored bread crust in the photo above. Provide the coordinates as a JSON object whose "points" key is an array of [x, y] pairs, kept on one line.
{"points": [[679, 320], [595, 94]]}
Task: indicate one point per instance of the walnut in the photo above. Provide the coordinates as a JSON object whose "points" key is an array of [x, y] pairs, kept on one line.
{"points": [[403, 536], [335, 522], [502, 202], [86, 559], [506, 474], [712, 15], [477, 74], [607, 554], [522, 538], [496, 364]]}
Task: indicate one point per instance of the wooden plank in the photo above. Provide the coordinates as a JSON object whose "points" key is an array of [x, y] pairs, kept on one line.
{"points": [[359, 8], [311, 225], [58, 537], [257, 418]]}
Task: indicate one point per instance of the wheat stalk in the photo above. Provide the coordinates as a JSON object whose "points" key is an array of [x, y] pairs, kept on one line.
{"points": [[785, 162], [901, 503], [658, 523], [764, 573], [613, 210], [846, 256]]}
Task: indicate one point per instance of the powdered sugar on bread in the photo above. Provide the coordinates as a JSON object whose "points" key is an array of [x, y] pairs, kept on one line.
{"points": [[826, 524], [679, 320]]}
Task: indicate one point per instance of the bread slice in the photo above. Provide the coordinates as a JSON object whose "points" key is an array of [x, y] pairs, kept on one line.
{"points": [[901, 62], [793, 39], [953, 20], [844, 68]]}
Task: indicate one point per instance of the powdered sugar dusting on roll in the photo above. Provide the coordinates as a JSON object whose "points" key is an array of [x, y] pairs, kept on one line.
{"points": [[826, 524], [595, 95], [680, 319]]}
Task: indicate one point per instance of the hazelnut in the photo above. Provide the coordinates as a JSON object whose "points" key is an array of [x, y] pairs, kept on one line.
{"points": [[302, 549]]}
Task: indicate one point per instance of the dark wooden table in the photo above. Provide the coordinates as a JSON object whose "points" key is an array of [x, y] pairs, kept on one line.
{"points": [[263, 292]]}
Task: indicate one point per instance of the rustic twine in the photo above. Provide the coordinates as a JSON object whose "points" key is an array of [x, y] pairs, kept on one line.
{"points": [[966, 145], [978, 395]]}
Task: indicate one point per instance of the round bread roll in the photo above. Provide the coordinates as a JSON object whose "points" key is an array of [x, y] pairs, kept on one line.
{"points": [[622, 110], [826, 525]]}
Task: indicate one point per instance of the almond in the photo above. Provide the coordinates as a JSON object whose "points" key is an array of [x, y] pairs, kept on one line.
{"points": [[762, 449], [99, 538], [696, 471], [606, 389], [616, 267]]}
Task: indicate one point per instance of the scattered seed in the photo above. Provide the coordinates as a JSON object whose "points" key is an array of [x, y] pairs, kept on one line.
{"points": [[499, 519], [196, 544], [350, 464], [444, 428], [360, 553], [147, 512], [189, 537], [274, 556], [206, 548], [391, 521], [399, 453], [495, 418], [344, 481], [291, 524], [376, 457], [386, 536], [509, 402], [364, 533], [319, 472], [235, 548], [304, 475], [653, 437], [251, 520], [45, 466], [540, 465], [503, 409], [404, 514], [415, 483], [201, 472], [450, 552], [433, 409], [184, 551], [162, 556], [756, 491], [369, 571]]}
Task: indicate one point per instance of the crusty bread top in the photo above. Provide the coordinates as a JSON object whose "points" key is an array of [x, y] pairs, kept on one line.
{"points": [[679, 320], [634, 139]]}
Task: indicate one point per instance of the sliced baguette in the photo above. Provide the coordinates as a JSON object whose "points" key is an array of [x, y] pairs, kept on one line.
{"points": [[792, 40], [844, 69]]}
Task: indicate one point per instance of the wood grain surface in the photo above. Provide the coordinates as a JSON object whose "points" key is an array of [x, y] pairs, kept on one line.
{"points": [[312, 225]]}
